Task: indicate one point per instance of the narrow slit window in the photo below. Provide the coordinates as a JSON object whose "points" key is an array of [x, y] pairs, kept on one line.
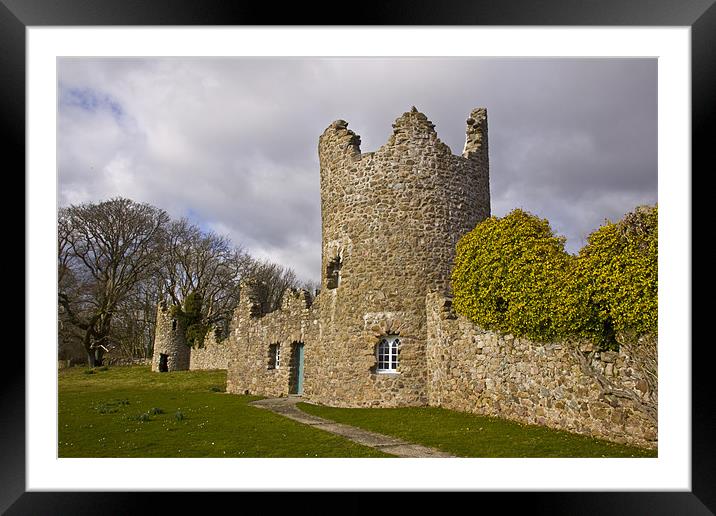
{"points": [[333, 273]]}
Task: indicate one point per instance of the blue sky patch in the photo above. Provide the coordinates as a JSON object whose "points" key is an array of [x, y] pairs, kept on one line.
{"points": [[90, 100]]}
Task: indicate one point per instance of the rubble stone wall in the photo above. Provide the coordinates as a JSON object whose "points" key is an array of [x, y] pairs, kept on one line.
{"points": [[252, 335], [214, 355], [483, 372]]}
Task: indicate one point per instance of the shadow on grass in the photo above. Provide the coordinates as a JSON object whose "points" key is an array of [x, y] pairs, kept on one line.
{"points": [[471, 435]]}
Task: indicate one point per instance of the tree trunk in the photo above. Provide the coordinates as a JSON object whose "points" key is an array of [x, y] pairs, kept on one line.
{"points": [[98, 357], [95, 358], [87, 342], [95, 353]]}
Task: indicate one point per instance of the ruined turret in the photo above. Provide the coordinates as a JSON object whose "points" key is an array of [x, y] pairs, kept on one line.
{"points": [[391, 220], [171, 352]]}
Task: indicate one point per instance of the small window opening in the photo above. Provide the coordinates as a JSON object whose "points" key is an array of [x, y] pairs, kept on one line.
{"points": [[333, 273], [387, 354], [174, 325], [274, 359]]}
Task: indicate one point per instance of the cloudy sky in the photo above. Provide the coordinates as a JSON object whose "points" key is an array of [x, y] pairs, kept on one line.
{"points": [[231, 143]]}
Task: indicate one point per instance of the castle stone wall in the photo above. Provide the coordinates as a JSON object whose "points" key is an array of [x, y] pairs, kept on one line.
{"points": [[214, 355], [474, 370], [252, 334]]}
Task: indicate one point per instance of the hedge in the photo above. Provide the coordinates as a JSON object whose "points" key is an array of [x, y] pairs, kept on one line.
{"points": [[513, 275]]}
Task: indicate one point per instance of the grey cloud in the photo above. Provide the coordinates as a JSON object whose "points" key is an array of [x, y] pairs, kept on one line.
{"points": [[233, 142]]}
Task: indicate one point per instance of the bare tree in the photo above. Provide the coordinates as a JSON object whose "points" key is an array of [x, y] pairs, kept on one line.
{"points": [[117, 259], [206, 264], [132, 333], [270, 281], [104, 251]]}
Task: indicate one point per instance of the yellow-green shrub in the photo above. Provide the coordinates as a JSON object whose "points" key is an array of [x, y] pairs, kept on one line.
{"points": [[616, 275], [508, 273], [513, 275]]}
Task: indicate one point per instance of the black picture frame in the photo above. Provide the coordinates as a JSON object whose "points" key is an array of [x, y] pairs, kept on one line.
{"points": [[699, 15]]}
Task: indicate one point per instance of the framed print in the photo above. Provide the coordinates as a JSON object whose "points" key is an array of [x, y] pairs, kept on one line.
{"points": [[55, 55]]}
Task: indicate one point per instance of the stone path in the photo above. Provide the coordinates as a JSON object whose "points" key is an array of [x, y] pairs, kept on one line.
{"points": [[392, 445]]}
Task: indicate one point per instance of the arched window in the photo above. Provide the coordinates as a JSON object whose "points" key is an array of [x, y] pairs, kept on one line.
{"points": [[387, 354]]}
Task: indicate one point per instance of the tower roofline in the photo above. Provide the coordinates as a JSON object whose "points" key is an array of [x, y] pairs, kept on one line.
{"points": [[413, 122]]}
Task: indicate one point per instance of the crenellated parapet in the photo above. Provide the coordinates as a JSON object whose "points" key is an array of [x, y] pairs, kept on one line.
{"points": [[339, 141], [413, 128], [296, 299]]}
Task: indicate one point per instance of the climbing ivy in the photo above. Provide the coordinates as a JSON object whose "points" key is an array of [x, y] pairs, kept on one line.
{"points": [[190, 319]]}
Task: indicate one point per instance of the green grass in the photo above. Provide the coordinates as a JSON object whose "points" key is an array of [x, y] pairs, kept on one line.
{"points": [[470, 435], [132, 412]]}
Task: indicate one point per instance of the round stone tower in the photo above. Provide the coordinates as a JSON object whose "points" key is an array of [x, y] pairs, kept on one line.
{"points": [[391, 219], [171, 352]]}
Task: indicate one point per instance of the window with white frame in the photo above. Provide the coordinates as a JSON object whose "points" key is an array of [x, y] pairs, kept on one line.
{"points": [[387, 354], [274, 361]]}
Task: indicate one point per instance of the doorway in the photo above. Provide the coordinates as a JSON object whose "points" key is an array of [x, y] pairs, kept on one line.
{"points": [[295, 379], [163, 363]]}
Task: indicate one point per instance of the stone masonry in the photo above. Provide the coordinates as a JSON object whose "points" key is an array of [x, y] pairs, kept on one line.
{"points": [[392, 219], [252, 333], [214, 355], [483, 372]]}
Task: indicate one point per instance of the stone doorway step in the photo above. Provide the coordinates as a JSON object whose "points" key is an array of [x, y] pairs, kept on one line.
{"points": [[392, 445]]}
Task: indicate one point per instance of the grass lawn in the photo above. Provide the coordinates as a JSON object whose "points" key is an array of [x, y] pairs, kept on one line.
{"points": [[470, 435], [132, 412]]}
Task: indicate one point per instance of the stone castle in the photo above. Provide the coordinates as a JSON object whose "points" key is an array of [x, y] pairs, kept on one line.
{"points": [[381, 333]]}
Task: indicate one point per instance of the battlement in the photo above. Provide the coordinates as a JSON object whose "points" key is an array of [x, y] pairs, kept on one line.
{"points": [[340, 141], [251, 307], [296, 299], [413, 121], [411, 128]]}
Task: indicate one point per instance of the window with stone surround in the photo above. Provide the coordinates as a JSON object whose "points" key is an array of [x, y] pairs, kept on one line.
{"points": [[333, 273], [387, 354], [274, 358]]}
